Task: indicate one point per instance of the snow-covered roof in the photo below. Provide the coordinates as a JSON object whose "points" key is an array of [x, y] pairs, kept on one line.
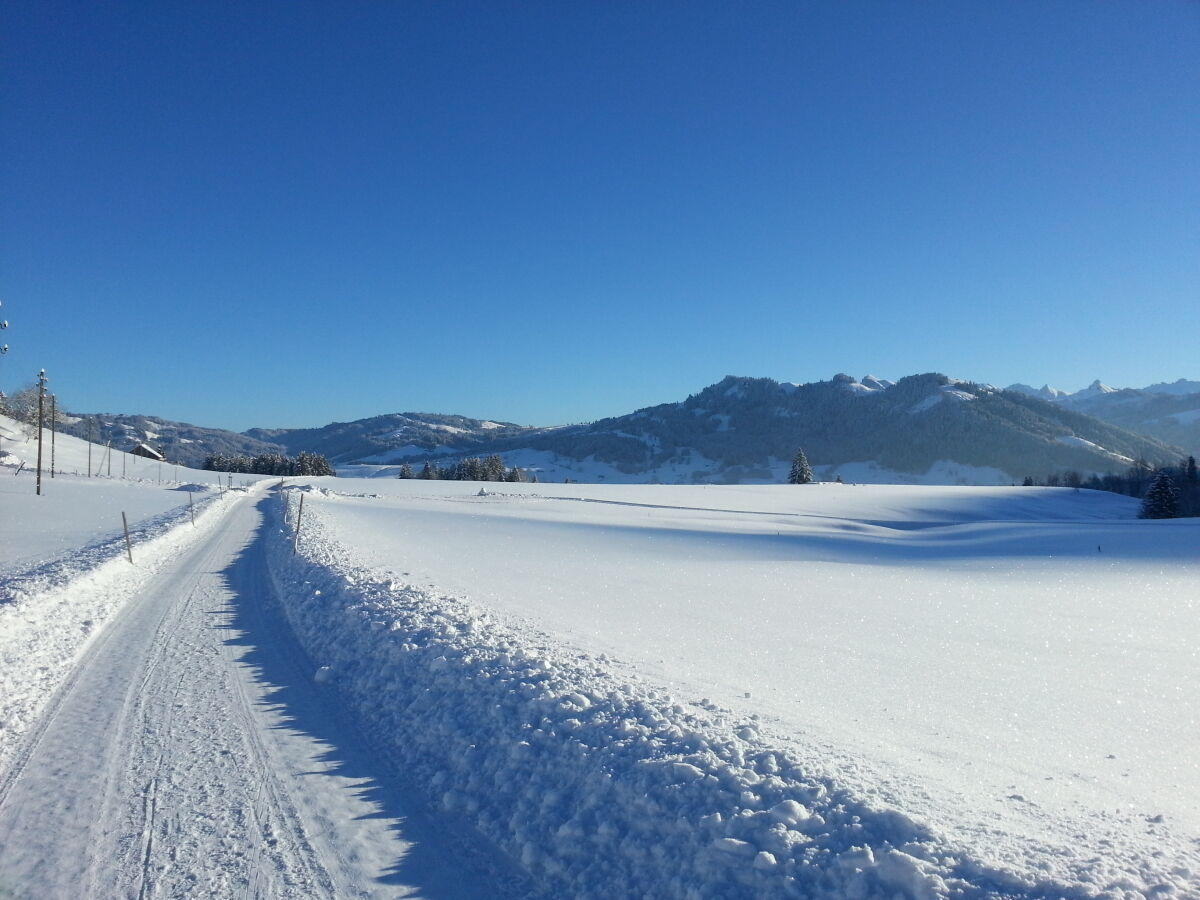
{"points": [[149, 452]]}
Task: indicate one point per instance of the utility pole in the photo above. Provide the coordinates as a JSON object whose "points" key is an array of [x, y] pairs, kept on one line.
{"points": [[53, 429], [89, 448], [41, 420]]}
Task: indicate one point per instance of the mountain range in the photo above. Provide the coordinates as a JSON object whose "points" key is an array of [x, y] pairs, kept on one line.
{"points": [[922, 428], [1169, 412]]}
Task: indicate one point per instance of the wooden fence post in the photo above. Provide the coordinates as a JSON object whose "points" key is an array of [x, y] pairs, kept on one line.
{"points": [[299, 519], [128, 546]]}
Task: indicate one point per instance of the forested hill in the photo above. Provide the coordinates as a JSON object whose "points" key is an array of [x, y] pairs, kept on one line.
{"points": [[180, 442], [408, 435], [747, 425], [739, 429]]}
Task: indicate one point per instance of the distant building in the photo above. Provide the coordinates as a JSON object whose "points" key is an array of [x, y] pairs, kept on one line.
{"points": [[148, 452]]}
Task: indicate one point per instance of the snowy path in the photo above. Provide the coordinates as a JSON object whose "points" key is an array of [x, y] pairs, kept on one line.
{"points": [[190, 754]]}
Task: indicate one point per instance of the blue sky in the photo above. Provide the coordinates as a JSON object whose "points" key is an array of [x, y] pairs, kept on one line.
{"points": [[284, 214]]}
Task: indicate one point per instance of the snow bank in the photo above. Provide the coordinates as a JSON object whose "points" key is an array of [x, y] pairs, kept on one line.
{"points": [[49, 613], [599, 786]]}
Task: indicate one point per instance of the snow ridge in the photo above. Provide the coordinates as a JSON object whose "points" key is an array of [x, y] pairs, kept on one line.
{"points": [[599, 787]]}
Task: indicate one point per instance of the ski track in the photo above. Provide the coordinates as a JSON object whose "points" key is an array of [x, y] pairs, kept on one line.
{"points": [[190, 754]]}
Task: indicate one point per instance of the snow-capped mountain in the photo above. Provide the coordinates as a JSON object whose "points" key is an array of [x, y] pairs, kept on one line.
{"points": [[1045, 392], [1096, 389], [1169, 412]]}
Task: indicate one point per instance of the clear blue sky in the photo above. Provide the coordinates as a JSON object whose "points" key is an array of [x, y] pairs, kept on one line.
{"points": [[284, 214]]}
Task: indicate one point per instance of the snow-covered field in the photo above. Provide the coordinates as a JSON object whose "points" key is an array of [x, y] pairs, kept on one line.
{"points": [[829, 689], [625, 690], [690, 467], [63, 566]]}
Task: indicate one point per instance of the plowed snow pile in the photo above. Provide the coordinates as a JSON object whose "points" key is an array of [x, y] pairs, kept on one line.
{"points": [[827, 690]]}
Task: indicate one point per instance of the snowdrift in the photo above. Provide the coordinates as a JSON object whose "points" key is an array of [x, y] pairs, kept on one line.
{"points": [[598, 786]]}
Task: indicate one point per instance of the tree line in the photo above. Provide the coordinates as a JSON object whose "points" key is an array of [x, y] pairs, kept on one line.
{"points": [[473, 468], [1166, 492], [303, 463]]}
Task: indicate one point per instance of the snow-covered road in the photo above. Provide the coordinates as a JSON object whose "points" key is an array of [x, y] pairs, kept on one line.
{"points": [[190, 753]]}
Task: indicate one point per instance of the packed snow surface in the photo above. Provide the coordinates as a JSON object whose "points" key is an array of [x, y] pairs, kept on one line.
{"points": [[836, 691], [827, 690]]}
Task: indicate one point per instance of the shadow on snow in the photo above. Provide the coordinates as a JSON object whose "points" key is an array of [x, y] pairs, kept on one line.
{"points": [[280, 664]]}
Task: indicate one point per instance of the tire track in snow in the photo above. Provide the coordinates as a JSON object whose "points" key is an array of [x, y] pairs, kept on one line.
{"points": [[189, 754]]}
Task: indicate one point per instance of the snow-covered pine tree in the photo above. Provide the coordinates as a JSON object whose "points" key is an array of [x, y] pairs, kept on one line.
{"points": [[406, 471], [493, 468], [801, 471], [1162, 499]]}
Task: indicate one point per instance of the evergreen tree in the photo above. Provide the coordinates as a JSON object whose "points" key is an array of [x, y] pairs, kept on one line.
{"points": [[493, 468], [429, 473], [1162, 499], [1191, 470], [801, 471], [406, 471]]}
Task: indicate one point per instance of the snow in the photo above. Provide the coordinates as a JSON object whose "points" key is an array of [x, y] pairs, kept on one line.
{"points": [[831, 690], [942, 472], [1073, 441], [928, 403], [820, 690], [188, 755], [946, 392], [1094, 389], [692, 467], [63, 565]]}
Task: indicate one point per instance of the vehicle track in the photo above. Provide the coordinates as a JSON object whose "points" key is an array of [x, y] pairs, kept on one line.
{"points": [[189, 754]]}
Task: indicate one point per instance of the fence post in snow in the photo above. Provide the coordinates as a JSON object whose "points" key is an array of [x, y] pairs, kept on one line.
{"points": [[192, 509], [53, 429], [128, 546], [299, 518]]}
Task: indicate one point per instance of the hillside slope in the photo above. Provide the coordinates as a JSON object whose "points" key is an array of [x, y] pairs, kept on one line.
{"points": [[745, 429]]}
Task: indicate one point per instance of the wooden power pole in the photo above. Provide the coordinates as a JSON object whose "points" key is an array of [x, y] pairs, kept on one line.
{"points": [[53, 429], [41, 421]]}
